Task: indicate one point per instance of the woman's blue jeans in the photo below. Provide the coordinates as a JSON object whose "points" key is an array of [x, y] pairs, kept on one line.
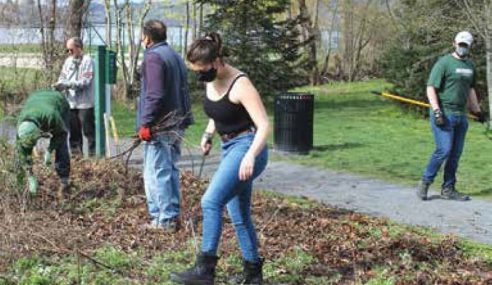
{"points": [[161, 176], [225, 189], [449, 140]]}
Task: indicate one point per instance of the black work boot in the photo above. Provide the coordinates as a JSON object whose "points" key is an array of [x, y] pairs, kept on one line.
{"points": [[202, 273], [252, 274], [451, 194], [422, 190]]}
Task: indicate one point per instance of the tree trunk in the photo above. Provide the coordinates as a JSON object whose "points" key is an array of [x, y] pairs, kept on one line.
{"points": [[324, 69], [128, 68], [310, 34], [348, 37], [187, 27], [108, 22], [119, 46], [76, 11], [360, 42], [488, 42], [44, 45], [51, 35], [131, 44], [200, 28], [194, 33], [134, 59], [488, 48]]}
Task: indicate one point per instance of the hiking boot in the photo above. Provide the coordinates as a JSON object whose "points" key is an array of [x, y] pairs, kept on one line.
{"points": [[153, 225], [62, 192], [422, 189], [202, 273], [65, 183], [252, 274], [76, 151], [171, 225], [451, 194]]}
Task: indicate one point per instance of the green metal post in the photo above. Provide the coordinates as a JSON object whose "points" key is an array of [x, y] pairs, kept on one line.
{"points": [[99, 99]]}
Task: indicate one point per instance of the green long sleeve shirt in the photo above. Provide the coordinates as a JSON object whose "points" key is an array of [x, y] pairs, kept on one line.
{"points": [[49, 110]]}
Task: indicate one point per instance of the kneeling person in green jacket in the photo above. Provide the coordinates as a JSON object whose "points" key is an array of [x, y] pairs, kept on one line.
{"points": [[45, 114]]}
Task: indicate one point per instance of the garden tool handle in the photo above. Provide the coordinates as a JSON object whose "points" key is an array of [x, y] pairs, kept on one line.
{"points": [[202, 164]]}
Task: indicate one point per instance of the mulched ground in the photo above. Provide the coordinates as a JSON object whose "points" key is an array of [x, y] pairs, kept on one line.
{"points": [[106, 205]]}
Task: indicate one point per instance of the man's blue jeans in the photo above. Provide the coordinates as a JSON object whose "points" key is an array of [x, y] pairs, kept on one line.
{"points": [[225, 188], [161, 176], [449, 140]]}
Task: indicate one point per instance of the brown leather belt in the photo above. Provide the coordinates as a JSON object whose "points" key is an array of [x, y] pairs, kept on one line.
{"points": [[231, 135]]}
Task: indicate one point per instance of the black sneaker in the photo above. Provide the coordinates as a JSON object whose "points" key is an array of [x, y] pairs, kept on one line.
{"points": [[422, 189], [450, 193]]}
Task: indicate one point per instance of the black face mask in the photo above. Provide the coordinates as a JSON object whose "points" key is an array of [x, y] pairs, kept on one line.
{"points": [[207, 76]]}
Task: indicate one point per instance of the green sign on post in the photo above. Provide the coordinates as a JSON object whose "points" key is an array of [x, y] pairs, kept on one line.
{"points": [[111, 68], [99, 99]]}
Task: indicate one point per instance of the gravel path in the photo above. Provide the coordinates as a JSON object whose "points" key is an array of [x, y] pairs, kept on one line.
{"points": [[470, 219]]}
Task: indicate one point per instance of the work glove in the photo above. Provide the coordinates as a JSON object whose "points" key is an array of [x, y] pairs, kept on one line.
{"points": [[481, 118], [60, 86], [47, 158], [206, 143], [439, 118], [32, 184], [144, 133]]}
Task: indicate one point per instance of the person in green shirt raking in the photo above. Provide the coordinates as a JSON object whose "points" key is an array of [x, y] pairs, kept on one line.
{"points": [[45, 113], [450, 90]]}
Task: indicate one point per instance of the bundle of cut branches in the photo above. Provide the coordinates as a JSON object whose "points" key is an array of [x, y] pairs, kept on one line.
{"points": [[168, 124]]}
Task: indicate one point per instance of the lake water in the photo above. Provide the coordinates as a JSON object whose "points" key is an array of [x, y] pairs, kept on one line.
{"points": [[91, 36]]}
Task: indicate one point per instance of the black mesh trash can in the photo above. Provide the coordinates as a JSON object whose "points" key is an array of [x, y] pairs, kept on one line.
{"points": [[293, 122]]}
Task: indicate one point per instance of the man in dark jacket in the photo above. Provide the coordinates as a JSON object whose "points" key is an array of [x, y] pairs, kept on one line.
{"points": [[164, 89], [44, 114]]}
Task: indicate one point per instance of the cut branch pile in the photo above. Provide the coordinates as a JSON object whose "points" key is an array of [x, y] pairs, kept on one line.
{"points": [[168, 124]]}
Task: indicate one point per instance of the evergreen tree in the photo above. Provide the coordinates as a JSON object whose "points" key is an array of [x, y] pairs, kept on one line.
{"points": [[258, 43]]}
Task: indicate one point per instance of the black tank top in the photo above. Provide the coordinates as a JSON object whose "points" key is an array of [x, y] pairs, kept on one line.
{"points": [[228, 117]]}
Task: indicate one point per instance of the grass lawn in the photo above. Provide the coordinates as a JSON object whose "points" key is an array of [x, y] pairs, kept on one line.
{"points": [[20, 48], [15, 80], [355, 131]]}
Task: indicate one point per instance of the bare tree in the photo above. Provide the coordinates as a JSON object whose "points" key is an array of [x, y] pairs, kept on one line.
{"points": [[76, 12], [47, 30], [311, 36], [129, 69], [355, 34], [194, 30], [324, 68], [108, 23], [187, 27]]}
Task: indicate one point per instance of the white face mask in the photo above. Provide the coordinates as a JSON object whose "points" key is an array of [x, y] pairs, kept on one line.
{"points": [[462, 51]]}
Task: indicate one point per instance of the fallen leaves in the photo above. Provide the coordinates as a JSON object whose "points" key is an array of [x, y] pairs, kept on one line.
{"points": [[106, 205]]}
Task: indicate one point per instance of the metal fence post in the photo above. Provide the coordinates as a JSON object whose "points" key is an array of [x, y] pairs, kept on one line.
{"points": [[99, 99]]}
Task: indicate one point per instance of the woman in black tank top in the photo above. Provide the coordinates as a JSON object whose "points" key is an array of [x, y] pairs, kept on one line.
{"points": [[238, 115]]}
